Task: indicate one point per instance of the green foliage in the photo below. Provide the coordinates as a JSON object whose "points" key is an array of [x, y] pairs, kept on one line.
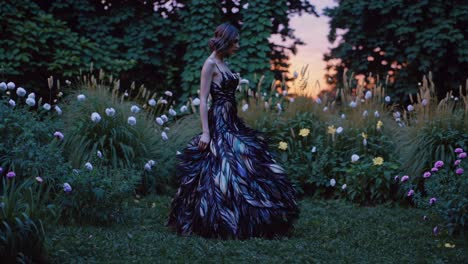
{"points": [[419, 36], [44, 45], [22, 209], [432, 140], [28, 146], [122, 144], [450, 189], [97, 195]]}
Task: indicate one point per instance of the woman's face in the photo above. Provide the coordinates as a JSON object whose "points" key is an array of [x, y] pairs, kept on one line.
{"points": [[234, 46]]}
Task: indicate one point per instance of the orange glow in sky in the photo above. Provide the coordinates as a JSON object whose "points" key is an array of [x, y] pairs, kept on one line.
{"points": [[313, 31]]}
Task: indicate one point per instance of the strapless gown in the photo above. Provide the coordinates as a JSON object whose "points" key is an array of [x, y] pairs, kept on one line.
{"points": [[234, 189]]}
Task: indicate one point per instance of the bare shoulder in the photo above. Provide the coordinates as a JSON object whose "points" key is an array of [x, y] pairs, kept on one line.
{"points": [[208, 66]]}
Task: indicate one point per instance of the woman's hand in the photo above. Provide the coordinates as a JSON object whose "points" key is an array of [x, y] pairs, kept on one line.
{"points": [[204, 141]]}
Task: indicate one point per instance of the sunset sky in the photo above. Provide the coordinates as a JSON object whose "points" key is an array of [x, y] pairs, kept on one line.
{"points": [[313, 31]]}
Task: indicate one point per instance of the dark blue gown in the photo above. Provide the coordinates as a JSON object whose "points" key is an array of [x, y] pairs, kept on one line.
{"points": [[234, 189]]}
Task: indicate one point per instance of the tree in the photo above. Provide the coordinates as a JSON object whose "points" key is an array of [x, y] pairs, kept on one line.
{"points": [[402, 38]]}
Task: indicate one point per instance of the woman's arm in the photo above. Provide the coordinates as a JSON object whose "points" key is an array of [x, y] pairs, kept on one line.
{"points": [[205, 82]]}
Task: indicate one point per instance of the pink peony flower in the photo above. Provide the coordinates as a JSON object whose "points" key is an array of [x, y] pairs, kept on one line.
{"points": [[457, 162], [404, 178], [410, 193], [458, 150], [462, 155], [11, 175], [58, 135], [39, 179], [434, 169], [439, 164], [432, 201], [427, 174], [459, 171]]}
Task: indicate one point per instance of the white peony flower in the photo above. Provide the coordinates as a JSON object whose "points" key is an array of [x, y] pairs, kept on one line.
{"points": [[3, 86], [278, 105], [183, 109], [163, 101], [339, 130], [81, 97], [196, 102], [314, 149], [172, 112], [388, 99], [377, 114], [135, 109], [131, 120], [148, 167], [110, 111], [32, 95], [178, 153], [67, 82], [168, 93], [410, 108], [365, 113], [364, 142], [11, 85], [46, 106], [21, 91], [396, 115], [353, 104], [325, 109], [12, 103], [368, 95], [354, 158], [164, 136], [95, 117], [30, 101], [99, 154], [164, 118], [58, 110], [245, 107], [152, 102], [89, 166], [277, 94], [151, 162], [244, 81], [159, 121], [343, 187], [424, 102], [332, 182], [343, 116]]}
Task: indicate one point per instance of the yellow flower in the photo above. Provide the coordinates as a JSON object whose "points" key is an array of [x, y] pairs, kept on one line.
{"points": [[283, 145], [378, 161], [379, 125], [304, 132], [364, 135], [448, 245], [331, 130]]}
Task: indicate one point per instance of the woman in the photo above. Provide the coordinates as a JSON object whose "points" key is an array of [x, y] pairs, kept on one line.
{"points": [[230, 185]]}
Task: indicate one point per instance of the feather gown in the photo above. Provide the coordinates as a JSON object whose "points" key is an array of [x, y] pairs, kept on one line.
{"points": [[234, 189]]}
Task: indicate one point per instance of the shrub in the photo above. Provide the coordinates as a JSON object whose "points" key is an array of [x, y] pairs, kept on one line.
{"points": [[96, 194]]}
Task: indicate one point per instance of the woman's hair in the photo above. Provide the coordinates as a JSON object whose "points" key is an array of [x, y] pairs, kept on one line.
{"points": [[224, 36]]}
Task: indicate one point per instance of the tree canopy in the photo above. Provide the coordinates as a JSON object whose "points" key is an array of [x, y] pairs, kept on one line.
{"points": [[405, 39], [159, 43]]}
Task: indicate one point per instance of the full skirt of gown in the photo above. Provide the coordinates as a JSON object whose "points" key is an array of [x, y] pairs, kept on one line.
{"points": [[233, 189]]}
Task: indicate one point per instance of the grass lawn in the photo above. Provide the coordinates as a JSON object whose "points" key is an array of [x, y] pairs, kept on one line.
{"points": [[328, 231]]}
